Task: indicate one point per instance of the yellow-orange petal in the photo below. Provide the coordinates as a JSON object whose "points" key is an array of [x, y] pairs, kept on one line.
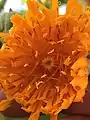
{"points": [[79, 82], [74, 7], [80, 63], [4, 104], [79, 96]]}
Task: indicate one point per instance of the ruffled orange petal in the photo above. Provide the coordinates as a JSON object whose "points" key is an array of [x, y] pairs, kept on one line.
{"points": [[74, 7], [43, 63]]}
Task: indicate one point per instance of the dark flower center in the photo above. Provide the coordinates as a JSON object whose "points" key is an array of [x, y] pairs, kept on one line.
{"points": [[48, 63]]}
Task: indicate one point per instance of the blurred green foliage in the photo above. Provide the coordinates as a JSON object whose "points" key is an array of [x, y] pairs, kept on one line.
{"points": [[2, 3], [42, 117], [23, 1], [5, 24], [63, 1], [22, 12], [47, 3]]}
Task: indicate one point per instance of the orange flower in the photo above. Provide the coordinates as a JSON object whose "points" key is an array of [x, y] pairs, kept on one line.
{"points": [[43, 65]]}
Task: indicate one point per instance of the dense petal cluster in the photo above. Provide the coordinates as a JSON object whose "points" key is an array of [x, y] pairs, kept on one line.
{"points": [[43, 62]]}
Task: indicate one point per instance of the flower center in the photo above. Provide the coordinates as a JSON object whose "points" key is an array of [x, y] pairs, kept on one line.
{"points": [[48, 63]]}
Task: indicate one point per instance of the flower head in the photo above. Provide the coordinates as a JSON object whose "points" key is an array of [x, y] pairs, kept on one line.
{"points": [[43, 65]]}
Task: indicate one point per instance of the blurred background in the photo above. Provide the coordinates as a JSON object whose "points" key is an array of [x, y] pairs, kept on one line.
{"points": [[20, 5]]}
